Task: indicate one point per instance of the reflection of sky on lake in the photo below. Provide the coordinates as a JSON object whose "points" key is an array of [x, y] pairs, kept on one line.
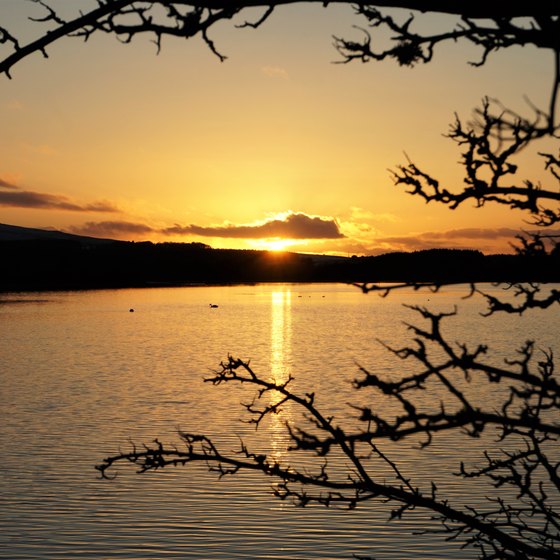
{"points": [[82, 376]]}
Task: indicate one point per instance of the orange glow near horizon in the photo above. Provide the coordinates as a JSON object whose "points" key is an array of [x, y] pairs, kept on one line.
{"points": [[276, 245], [276, 128]]}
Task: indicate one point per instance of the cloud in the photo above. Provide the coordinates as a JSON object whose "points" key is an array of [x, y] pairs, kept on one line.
{"points": [[275, 72], [357, 213], [445, 236], [5, 185], [14, 105], [41, 149], [485, 239], [110, 228], [363, 225], [293, 226], [15, 197], [473, 233]]}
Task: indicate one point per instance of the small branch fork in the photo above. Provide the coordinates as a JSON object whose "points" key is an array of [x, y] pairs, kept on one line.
{"points": [[493, 33], [533, 395], [491, 144], [524, 296], [521, 528], [124, 19], [488, 150]]}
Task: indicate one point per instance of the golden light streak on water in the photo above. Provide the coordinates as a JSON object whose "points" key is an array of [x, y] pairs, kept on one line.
{"points": [[280, 364], [281, 334]]}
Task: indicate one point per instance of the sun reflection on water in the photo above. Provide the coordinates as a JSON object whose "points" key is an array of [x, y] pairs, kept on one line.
{"points": [[281, 335], [280, 363]]}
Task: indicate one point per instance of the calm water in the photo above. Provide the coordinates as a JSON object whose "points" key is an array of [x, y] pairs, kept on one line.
{"points": [[80, 376]]}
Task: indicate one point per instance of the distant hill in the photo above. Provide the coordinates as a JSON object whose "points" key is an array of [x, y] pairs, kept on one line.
{"points": [[18, 233], [35, 259]]}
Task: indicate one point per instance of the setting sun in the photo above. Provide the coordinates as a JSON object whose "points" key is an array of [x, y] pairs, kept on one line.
{"points": [[276, 244], [219, 167], [197, 197]]}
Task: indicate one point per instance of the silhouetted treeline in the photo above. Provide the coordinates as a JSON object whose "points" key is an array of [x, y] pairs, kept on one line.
{"points": [[451, 265], [69, 264]]}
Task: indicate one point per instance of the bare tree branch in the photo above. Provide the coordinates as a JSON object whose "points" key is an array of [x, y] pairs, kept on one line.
{"points": [[488, 149], [411, 47], [524, 529], [521, 524], [188, 18]]}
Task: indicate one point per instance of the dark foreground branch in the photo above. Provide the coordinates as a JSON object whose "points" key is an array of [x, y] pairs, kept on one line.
{"points": [[188, 18], [503, 530], [489, 148]]}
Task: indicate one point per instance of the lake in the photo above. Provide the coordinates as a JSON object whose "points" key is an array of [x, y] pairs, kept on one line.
{"points": [[81, 376]]}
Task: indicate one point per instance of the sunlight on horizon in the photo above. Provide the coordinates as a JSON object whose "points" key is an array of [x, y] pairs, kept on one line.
{"points": [[276, 245], [219, 155]]}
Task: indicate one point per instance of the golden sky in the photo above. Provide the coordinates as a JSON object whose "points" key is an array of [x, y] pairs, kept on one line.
{"points": [[275, 147]]}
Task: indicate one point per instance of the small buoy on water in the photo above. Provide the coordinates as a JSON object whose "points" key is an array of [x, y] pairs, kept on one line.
{"points": [[131, 310]]}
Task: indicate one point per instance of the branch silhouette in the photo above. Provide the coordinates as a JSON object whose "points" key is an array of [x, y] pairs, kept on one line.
{"points": [[189, 18], [520, 523], [489, 146], [488, 151], [521, 297], [491, 32], [522, 528]]}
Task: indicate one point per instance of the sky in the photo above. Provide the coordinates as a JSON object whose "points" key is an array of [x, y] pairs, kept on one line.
{"points": [[278, 147]]}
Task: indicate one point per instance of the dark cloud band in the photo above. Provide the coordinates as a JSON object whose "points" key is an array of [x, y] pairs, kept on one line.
{"points": [[14, 197], [5, 185], [111, 228], [294, 226]]}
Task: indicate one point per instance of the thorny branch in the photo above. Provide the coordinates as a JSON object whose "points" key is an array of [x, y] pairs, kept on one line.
{"points": [[492, 143], [491, 34], [536, 25], [488, 151], [524, 528], [514, 297], [125, 19], [488, 147]]}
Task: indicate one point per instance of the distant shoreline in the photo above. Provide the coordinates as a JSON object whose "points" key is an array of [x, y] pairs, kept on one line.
{"points": [[134, 287], [39, 265], [5, 292]]}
